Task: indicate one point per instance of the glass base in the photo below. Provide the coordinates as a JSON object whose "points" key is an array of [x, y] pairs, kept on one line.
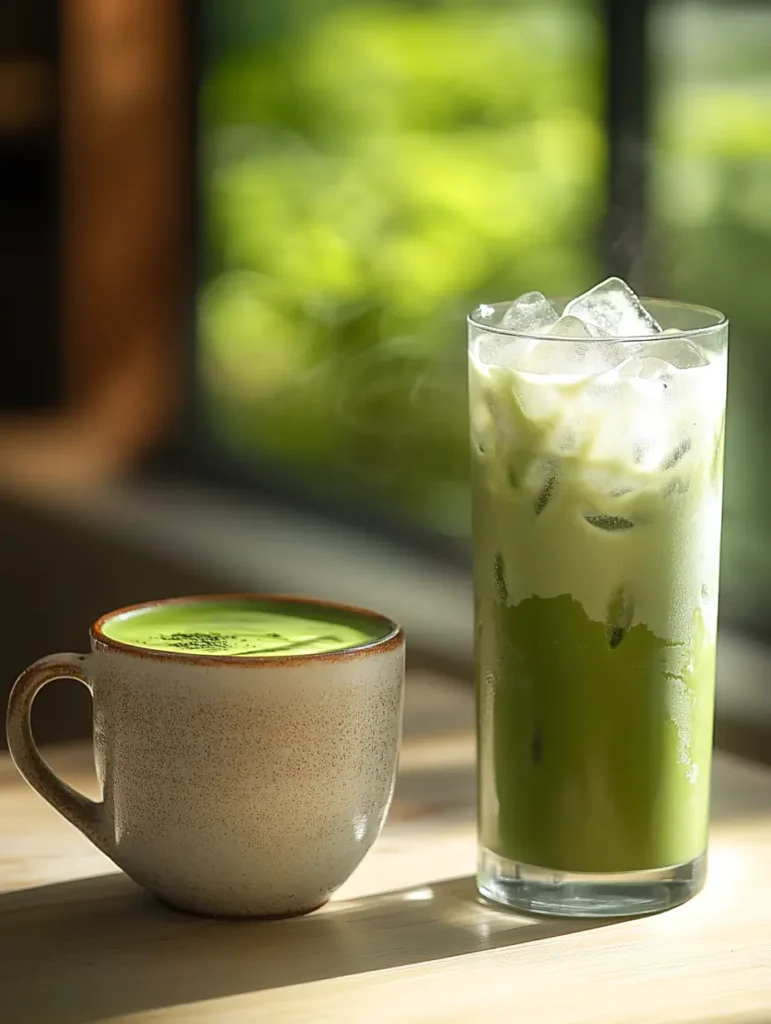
{"points": [[573, 894]]}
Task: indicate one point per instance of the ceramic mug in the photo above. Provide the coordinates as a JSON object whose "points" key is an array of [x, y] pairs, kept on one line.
{"points": [[234, 786]]}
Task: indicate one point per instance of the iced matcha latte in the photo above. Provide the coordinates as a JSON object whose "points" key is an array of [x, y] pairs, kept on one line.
{"points": [[597, 450]]}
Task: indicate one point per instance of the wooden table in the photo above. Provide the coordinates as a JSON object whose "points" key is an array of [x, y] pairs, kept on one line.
{"points": [[405, 940]]}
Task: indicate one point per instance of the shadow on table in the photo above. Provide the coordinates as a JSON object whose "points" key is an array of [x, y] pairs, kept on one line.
{"points": [[100, 947]]}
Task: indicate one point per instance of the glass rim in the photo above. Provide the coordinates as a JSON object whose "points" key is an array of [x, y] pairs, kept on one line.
{"points": [[721, 321]]}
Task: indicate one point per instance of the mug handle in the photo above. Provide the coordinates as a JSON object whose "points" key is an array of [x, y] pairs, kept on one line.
{"points": [[85, 814]]}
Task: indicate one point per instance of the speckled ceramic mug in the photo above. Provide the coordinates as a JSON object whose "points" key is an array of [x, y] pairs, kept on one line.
{"points": [[233, 786]]}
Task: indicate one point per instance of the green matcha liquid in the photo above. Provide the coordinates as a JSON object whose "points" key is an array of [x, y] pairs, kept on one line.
{"points": [[596, 545], [244, 628]]}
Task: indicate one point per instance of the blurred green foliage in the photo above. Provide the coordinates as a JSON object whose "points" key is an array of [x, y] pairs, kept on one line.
{"points": [[711, 234], [371, 172]]}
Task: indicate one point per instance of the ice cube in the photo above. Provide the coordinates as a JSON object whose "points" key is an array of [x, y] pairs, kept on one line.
{"points": [[572, 327], [633, 419], [682, 354], [666, 358], [614, 308], [531, 313], [567, 362], [608, 483], [645, 368]]}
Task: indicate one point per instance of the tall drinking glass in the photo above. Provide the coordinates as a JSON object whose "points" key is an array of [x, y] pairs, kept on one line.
{"points": [[597, 485]]}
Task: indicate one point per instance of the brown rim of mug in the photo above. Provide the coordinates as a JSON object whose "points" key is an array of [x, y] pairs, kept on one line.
{"points": [[392, 639]]}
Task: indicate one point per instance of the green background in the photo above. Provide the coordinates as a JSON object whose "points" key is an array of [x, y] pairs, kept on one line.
{"points": [[371, 171]]}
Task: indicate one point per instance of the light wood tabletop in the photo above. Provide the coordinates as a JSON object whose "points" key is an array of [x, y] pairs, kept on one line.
{"points": [[405, 940]]}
